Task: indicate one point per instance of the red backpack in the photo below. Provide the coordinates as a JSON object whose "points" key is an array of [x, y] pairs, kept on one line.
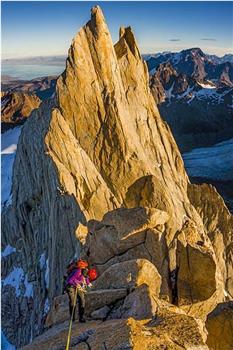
{"points": [[92, 274]]}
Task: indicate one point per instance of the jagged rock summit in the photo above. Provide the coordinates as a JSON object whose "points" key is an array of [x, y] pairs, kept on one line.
{"points": [[98, 174]]}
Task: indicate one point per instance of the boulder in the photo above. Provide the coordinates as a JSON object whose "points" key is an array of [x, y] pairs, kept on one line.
{"points": [[97, 299], [121, 230], [130, 274], [219, 325], [139, 304], [219, 225], [137, 252], [101, 313], [147, 191], [157, 248], [196, 280]]}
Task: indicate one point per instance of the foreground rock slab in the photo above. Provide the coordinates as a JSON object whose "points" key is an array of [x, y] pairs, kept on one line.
{"points": [[171, 332]]}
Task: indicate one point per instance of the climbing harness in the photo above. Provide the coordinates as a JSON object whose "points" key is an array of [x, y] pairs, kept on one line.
{"points": [[71, 320]]}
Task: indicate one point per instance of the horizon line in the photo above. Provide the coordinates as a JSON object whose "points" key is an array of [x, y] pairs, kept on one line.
{"points": [[61, 55]]}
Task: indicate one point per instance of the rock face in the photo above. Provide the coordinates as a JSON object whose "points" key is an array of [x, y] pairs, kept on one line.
{"points": [[98, 173], [16, 108]]}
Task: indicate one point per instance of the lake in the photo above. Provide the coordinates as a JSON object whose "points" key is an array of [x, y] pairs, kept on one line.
{"points": [[31, 71]]}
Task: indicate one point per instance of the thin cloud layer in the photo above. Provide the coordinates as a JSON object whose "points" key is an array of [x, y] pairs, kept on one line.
{"points": [[209, 39]]}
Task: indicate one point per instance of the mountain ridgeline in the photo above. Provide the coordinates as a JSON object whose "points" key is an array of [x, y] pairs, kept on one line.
{"points": [[194, 62], [98, 174], [194, 94]]}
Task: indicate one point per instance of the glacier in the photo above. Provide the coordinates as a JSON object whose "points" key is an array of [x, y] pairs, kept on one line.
{"points": [[215, 162]]}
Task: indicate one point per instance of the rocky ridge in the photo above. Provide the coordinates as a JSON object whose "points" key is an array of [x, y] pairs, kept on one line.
{"points": [[98, 174], [43, 87]]}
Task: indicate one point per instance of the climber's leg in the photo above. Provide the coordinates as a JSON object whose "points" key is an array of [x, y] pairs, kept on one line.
{"points": [[71, 294], [81, 305]]}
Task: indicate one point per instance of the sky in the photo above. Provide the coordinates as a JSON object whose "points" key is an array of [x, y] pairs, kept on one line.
{"points": [[47, 28]]}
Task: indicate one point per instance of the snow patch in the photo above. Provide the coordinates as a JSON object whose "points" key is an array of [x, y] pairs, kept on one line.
{"points": [[5, 344], [15, 278], [8, 250], [168, 92], [42, 261], [29, 288], [190, 100], [176, 57], [185, 93], [9, 141], [47, 274], [207, 85], [46, 306], [207, 93], [152, 71]]}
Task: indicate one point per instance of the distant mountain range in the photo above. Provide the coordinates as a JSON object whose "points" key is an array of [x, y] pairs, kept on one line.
{"points": [[41, 60], [194, 95], [60, 59], [213, 58], [193, 62]]}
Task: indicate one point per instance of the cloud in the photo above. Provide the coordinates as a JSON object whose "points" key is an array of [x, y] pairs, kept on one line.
{"points": [[209, 39], [175, 39]]}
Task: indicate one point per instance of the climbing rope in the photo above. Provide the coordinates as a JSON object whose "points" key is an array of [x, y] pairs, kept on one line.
{"points": [[71, 320]]}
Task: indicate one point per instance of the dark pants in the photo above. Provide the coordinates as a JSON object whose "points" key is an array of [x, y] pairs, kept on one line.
{"points": [[81, 301]]}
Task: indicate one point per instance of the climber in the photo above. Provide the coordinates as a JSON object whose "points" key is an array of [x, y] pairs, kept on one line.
{"points": [[76, 285]]}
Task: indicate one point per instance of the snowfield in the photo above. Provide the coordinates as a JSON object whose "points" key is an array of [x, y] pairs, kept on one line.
{"points": [[7, 251], [9, 141], [205, 93], [215, 162], [44, 264]]}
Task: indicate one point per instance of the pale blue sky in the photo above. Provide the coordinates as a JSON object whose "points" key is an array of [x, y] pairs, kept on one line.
{"points": [[46, 28]]}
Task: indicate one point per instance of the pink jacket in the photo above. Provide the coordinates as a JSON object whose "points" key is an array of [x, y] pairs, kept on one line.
{"points": [[76, 278]]}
